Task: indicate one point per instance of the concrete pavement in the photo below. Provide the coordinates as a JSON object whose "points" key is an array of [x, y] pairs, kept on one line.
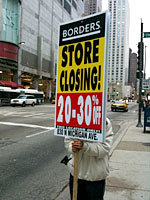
{"points": [[129, 177]]}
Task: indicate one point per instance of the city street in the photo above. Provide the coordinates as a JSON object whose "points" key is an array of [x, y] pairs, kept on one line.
{"points": [[30, 154]]}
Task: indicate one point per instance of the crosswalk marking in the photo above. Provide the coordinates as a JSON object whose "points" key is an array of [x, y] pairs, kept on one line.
{"points": [[26, 114], [36, 114]]}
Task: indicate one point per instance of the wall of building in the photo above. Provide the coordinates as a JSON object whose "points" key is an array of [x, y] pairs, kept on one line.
{"points": [[127, 91], [92, 6], [133, 70], [114, 91], [39, 27]]}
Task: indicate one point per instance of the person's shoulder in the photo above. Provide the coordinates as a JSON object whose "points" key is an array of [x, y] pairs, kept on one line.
{"points": [[108, 124]]}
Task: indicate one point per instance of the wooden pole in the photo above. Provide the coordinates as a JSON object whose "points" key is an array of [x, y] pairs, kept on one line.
{"points": [[75, 177]]}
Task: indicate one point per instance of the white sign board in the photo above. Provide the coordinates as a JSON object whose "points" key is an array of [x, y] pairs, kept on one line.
{"points": [[81, 78]]}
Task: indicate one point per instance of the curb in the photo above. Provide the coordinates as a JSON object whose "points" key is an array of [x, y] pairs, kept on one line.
{"points": [[119, 138]]}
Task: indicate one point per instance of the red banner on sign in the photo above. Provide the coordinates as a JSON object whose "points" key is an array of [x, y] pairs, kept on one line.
{"points": [[79, 110]]}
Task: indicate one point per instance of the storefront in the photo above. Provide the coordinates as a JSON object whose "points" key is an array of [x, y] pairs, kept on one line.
{"points": [[8, 61], [47, 85]]}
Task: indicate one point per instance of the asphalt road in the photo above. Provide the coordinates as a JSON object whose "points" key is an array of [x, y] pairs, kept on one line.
{"points": [[30, 154]]}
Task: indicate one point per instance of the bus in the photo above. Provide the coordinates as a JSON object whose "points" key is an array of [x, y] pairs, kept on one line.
{"points": [[7, 93], [37, 94]]}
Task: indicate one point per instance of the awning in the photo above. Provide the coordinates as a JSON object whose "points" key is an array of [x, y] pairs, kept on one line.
{"points": [[11, 84]]}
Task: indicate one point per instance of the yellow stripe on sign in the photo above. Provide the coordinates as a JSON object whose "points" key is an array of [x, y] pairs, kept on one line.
{"points": [[80, 67]]}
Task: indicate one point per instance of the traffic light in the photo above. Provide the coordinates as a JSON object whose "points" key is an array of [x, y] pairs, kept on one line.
{"points": [[138, 75], [140, 56], [143, 92]]}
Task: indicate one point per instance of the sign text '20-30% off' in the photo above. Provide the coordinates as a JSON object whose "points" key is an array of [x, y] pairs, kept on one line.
{"points": [[87, 110]]}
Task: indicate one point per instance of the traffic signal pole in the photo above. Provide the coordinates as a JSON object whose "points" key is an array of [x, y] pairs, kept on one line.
{"points": [[140, 68]]}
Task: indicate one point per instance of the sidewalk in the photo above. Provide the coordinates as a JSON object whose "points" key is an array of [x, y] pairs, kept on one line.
{"points": [[129, 177]]}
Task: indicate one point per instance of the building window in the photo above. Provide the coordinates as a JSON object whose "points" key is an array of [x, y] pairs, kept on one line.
{"points": [[67, 6], [60, 1], [74, 4]]}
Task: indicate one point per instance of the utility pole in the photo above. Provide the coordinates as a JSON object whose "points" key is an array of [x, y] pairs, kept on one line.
{"points": [[145, 64], [140, 74]]}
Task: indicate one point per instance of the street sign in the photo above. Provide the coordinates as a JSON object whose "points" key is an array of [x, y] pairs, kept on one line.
{"points": [[146, 84], [81, 78], [146, 34]]}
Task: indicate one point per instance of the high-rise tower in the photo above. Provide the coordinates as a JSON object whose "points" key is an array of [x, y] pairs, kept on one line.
{"points": [[92, 6], [118, 41]]}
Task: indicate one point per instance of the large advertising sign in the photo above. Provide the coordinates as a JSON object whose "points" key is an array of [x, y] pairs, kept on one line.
{"points": [[81, 79], [8, 50]]}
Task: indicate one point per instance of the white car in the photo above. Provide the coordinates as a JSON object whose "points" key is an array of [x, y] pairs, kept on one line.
{"points": [[24, 100]]}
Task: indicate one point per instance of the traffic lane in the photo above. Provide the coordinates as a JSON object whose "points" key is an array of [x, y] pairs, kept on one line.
{"points": [[132, 109], [41, 121], [28, 107], [15, 128], [43, 116], [12, 133], [11, 130], [121, 119], [31, 169]]}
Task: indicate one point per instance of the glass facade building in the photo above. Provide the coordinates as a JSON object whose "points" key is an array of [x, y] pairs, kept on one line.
{"points": [[10, 24], [9, 37]]}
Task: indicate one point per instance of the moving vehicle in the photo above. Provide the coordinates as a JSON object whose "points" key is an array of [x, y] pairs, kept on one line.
{"points": [[39, 96], [53, 101], [7, 93], [24, 100], [119, 105]]}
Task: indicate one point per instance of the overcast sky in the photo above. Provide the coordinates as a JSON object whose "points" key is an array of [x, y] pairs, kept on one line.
{"points": [[138, 9]]}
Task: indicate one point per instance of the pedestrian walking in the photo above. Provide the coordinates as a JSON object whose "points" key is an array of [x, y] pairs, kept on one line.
{"points": [[144, 105], [147, 103], [93, 165]]}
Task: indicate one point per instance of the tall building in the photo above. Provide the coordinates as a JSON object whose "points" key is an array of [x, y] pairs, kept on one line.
{"points": [[92, 6], [118, 41], [132, 69], [36, 24]]}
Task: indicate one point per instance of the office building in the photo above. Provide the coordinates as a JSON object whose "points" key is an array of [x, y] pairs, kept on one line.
{"points": [[132, 69], [92, 6], [118, 42], [35, 23]]}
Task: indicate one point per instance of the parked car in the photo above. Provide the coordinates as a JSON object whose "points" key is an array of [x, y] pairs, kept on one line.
{"points": [[24, 100], [119, 105]]}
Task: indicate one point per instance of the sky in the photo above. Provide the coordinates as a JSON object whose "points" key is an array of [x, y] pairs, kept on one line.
{"points": [[139, 9]]}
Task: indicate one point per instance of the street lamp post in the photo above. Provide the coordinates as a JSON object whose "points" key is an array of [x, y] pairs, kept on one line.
{"points": [[18, 60], [117, 89], [145, 64], [139, 124]]}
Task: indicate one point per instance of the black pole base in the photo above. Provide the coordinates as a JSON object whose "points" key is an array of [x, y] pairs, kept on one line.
{"points": [[139, 124]]}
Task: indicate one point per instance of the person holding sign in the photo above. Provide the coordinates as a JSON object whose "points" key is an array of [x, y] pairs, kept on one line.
{"points": [[93, 165]]}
